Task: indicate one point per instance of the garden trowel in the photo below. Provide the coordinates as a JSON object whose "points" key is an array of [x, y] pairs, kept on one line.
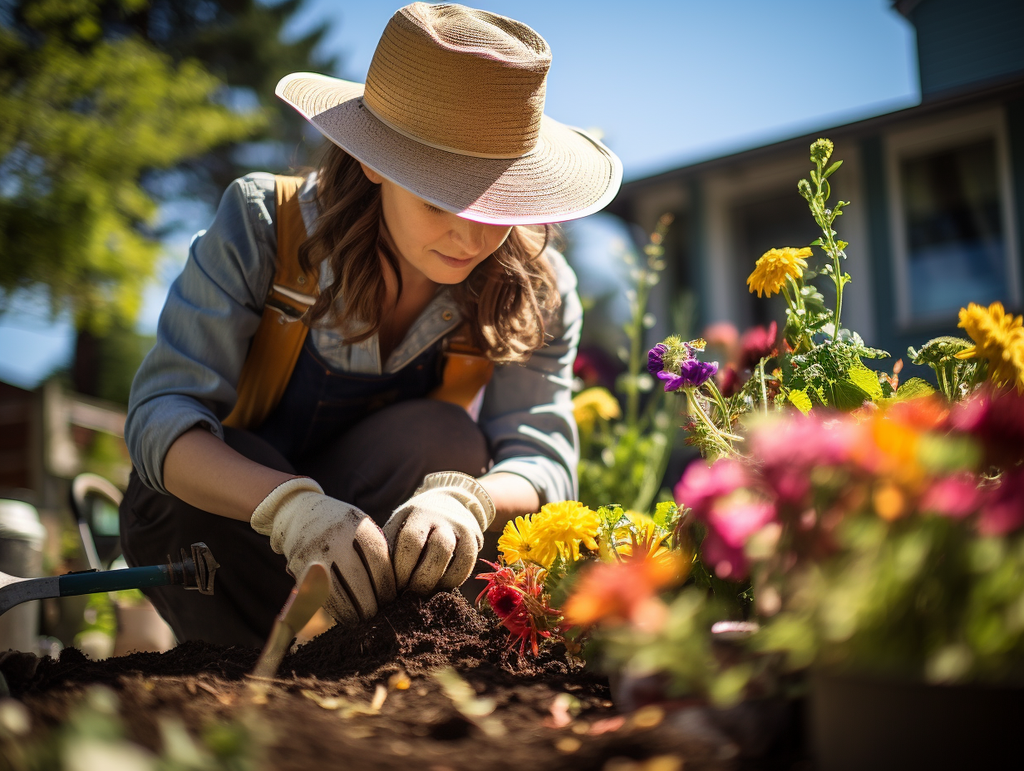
{"points": [[195, 572], [309, 593]]}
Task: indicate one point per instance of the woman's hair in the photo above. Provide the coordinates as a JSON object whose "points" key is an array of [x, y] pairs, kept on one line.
{"points": [[506, 299]]}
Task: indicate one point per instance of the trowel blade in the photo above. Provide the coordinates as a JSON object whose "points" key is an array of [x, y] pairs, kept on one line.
{"points": [[14, 590], [308, 595]]}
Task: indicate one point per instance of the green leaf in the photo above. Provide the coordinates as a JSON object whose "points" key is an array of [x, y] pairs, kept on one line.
{"points": [[832, 169], [800, 400], [848, 396], [665, 513], [816, 242], [865, 379], [913, 389]]}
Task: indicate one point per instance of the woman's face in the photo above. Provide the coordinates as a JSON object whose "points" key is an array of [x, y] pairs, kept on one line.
{"points": [[435, 243]]}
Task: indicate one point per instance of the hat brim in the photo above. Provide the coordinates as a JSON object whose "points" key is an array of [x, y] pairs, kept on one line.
{"points": [[568, 175]]}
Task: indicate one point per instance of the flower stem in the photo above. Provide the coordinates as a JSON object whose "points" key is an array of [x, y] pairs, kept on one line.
{"points": [[764, 391], [721, 438]]}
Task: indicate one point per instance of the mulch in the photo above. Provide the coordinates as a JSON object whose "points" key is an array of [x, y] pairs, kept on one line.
{"points": [[324, 707]]}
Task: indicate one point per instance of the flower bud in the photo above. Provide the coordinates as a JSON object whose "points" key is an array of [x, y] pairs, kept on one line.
{"points": [[821, 150]]}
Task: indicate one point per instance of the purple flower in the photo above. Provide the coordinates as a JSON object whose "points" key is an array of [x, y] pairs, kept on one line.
{"points": [[692, 373], [656, 359]]}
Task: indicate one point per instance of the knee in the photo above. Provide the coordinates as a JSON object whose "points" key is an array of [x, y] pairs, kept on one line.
{"points": [[442, 436]]}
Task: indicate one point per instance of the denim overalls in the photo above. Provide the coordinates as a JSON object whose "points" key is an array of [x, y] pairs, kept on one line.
{"points": [[320, 403]]}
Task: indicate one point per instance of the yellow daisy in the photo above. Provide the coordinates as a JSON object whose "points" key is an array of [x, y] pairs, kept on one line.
{"points": [[594, 403], [999, 337], [564, 526], [774, 267], [519, 543]]}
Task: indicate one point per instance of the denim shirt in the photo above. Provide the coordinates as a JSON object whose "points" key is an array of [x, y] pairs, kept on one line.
{"points": [[213, 309]]}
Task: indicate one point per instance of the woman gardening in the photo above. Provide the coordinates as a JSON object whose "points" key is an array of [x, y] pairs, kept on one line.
{"points": [[285, 416]]}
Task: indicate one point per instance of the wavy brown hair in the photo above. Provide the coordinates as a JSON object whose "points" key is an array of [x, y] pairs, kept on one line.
{"points": [[506, 299]]}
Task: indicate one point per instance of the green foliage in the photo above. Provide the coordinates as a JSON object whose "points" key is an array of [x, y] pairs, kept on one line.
{"points": [[910, 598], [624, 459], [680, 651], [817, 361], [956, 377]]}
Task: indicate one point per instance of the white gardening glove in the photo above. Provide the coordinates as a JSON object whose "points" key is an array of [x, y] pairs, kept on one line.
{"points": [[307, 526], [436, 535]]}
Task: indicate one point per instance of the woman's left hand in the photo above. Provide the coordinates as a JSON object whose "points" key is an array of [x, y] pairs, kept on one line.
{"points": [[436, 535]]}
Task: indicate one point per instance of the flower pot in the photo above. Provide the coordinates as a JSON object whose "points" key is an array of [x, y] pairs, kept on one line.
{"points": [[860, 722]]}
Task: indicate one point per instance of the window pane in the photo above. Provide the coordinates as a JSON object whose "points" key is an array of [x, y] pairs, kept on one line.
{"points": [[956, 250]]}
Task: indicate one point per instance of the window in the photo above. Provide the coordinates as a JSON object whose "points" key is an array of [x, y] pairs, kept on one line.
{"points": [[954, 237]]}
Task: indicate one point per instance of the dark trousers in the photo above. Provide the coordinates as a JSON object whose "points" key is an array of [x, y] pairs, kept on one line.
{"points": [[376, 466]]}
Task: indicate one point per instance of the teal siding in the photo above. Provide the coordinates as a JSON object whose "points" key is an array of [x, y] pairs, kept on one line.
{"points": [[876, 196], [1015, 129], [698, 250], [961, 42]]}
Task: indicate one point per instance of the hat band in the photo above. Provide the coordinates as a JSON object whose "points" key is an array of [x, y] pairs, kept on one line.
{"points": [[436, 146]]}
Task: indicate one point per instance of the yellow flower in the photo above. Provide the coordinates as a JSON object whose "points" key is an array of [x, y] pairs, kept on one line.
{"points": [[649, 539], [563, 526], [519, 542], [594, 403], [999, 337], [774, 267]]}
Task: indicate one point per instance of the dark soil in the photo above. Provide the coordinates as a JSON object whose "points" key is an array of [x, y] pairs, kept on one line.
{"points": [[318, 712]]}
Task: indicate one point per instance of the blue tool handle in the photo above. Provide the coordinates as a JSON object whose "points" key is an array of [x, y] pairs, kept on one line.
{"points": [[115, 580]]}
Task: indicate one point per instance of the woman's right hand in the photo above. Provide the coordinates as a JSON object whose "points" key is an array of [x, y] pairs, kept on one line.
{"points": [[307, 526]]}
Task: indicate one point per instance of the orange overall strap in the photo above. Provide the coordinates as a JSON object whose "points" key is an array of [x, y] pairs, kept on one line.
{"points": [[466, 370], [275, 347]]}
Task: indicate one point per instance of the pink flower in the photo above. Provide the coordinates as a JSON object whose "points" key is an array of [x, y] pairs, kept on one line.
{"points": [[729, 563], [757, 343], [791, 447], [1004, 512], [997, 419], [955, 497], [701, 483], [730, 524], [736, 521]]}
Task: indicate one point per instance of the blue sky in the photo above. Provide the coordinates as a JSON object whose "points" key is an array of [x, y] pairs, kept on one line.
{"points": [[666, 82]]}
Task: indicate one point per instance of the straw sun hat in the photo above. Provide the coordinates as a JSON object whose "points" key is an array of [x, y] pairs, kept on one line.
{"points": [[452, 110]]}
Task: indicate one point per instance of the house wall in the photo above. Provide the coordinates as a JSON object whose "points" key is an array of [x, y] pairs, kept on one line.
{"points": [[961, 42], [882, 153]]}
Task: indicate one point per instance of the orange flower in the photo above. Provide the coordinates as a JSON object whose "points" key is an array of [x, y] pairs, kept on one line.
{"points": [[619, 592]]}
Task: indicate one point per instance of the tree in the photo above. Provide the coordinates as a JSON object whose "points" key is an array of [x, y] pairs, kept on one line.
{"points": [[112, 107], [85, 116]]}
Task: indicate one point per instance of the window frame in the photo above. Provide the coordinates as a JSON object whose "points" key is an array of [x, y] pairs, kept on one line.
{"points": [[926, 139]]}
